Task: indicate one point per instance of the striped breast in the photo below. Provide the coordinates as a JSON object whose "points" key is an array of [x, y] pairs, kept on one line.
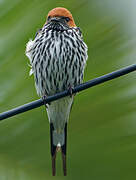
{"points": [[58, 60]]}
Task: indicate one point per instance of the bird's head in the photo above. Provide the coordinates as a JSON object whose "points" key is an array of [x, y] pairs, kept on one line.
{"points": [[60, 19]]}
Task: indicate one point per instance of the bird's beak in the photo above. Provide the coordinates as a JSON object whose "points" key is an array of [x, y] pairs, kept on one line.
{"points": [[54, 20], [57, 20]]}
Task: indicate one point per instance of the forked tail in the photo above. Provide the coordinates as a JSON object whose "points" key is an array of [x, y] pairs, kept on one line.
{"points": [[58, 142]]}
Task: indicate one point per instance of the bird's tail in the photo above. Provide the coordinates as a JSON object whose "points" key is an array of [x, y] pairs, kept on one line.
{"points": [[58, 142], [58, 114]]}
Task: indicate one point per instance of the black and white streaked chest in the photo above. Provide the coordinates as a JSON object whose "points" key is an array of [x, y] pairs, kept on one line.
{"points": [[58, 60]]}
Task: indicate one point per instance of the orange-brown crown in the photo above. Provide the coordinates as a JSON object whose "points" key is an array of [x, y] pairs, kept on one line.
{"points": [[60, 11]]}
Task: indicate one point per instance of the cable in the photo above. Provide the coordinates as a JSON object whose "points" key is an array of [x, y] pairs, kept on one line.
{"points": [[81, 87]]}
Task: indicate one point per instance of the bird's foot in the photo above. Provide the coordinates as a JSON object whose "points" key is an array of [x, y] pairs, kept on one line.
{"points": [[70, 91], [44, 100]]}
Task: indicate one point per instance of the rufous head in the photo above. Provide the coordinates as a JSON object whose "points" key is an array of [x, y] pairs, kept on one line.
{"points": [[62, 12]]}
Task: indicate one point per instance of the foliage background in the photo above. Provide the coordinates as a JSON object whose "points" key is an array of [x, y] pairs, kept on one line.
{"points": [[102, 126]]}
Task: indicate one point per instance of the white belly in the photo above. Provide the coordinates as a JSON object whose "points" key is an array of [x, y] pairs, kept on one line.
{"points": [[58, 112]]}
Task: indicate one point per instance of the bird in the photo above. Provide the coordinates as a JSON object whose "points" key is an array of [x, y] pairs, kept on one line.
{"points": [[58, 56]]}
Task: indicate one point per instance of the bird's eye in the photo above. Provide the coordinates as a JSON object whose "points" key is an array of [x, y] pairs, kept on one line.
{"points": [[67, 19], [48, 18]]}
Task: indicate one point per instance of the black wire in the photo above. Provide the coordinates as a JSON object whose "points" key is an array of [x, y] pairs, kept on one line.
{"points": [[81, 87]]}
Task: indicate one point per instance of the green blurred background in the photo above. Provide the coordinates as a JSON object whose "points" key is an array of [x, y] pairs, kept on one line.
{"points": [[102, 126]]}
